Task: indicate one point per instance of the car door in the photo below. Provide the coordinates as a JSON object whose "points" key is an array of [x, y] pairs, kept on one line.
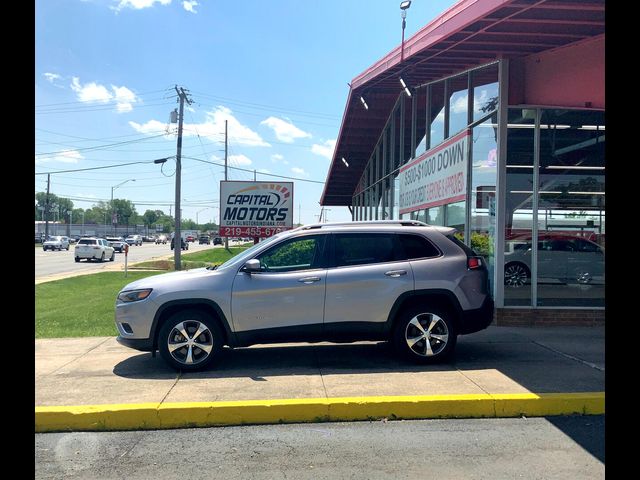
{"points": [[287, 293], [366, 276]]}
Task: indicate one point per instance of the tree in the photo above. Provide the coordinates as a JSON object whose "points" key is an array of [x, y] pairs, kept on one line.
{"points": [[124, 209]]}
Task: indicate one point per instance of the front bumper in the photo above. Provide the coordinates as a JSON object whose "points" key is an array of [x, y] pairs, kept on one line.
{"points": [[142, 344]]}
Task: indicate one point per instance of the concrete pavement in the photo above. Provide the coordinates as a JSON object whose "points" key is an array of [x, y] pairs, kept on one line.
{"points": [[97, 384]]}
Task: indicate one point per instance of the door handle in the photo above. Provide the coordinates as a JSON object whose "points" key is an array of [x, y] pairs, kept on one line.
{"points": [[395, 273], [308, 280]]}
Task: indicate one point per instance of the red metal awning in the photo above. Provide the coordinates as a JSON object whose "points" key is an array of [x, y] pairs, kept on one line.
{"points": [[471, 33]]}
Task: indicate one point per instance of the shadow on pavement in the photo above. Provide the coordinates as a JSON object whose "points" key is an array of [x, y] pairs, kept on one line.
{"points": [[586, 431], [530, 365]]}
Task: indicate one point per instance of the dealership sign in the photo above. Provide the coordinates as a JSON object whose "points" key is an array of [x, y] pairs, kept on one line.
{"points": [[255, 209], [437, 177]]}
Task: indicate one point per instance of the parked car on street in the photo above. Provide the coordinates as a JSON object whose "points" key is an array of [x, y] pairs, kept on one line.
{"points": [[134, 240], [117, 243], [414, 285], [57, 242], [184, 245], [161, 239], [204, 239], [94, 249]]}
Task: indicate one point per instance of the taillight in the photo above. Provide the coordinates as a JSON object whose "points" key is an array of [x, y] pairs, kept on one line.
{"points": [[474, 262]]}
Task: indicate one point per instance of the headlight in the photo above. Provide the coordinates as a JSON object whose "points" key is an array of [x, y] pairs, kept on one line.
{"points": [[134, 295]]}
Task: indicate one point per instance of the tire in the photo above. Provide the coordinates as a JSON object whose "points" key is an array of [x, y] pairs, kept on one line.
{"points": [[67, 248], [113, 256], [102, 257], [413, 323], [175, 350], [516, 274], [77, 259]]}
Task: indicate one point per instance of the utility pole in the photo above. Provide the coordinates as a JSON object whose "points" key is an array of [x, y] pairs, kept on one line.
{"points": [[46, 209], [177, 244], [226, 143], [254, 174]]}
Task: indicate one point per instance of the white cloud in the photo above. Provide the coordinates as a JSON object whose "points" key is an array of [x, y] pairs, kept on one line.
{"points": [[460, 104], [189, 5], [213, 129], [125, 98], [240, 160], [152, 127], [90, 92], [94, 92], [285, 130], [324, 150], [52, 77], [276, 157], [138, 4], [66, 156], [299, 171]]}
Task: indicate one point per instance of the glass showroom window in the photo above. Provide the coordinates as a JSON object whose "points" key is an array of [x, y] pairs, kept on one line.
{"points": [[458, 103], [519, 207], [485, 90], [571, 207], [436, 113]]}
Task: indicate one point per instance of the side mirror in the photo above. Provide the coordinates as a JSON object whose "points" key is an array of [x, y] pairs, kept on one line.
{"points": [[252, 265]]}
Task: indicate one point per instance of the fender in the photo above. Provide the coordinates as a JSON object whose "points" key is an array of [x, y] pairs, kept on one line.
{"points": [[406, 296]]}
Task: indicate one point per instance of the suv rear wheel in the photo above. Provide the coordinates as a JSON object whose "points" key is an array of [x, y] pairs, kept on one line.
{"points": [[425, 334], [190, 340]]}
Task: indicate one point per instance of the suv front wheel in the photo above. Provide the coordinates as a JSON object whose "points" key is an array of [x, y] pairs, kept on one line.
{"points": [[190, 340], [425, 334]]}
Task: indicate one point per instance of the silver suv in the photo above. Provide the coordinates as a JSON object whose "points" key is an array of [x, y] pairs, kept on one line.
{"points": [[412, 284]]}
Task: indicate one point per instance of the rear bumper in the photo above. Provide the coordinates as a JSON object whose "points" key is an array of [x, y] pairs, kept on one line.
{"points": [[479, 319]]}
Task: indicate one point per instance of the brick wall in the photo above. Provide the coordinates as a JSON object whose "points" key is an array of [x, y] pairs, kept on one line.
{"points": [[516, 317]]}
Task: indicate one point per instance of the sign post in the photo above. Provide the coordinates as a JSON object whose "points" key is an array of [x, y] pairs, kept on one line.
{"points": [[126, 256]]}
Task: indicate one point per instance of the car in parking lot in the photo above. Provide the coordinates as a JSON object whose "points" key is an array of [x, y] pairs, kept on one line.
{"points": [[134, 240], [117, 243], [94, 249], [57, 242], [414, 285], [191, 238], [204, 240], [161, 239]]}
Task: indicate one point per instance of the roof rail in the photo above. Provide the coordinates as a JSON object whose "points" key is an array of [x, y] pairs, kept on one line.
{"points": [[403, 223]]}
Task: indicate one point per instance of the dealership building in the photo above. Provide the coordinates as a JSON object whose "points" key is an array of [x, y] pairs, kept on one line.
{"points": [[491, 119]]}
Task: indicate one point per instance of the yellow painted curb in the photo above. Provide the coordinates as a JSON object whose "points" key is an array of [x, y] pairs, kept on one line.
{"points": [[145, 416]]}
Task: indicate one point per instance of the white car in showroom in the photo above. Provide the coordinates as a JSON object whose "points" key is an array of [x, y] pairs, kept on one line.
{"points": [[57, 242], [94, 249]]}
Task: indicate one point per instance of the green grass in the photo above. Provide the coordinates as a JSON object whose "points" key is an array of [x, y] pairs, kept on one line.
{"points": [[80, 306], [204, 258]]}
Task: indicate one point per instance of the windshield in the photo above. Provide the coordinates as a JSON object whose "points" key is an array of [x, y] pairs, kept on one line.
{"points": [[248, 253]]}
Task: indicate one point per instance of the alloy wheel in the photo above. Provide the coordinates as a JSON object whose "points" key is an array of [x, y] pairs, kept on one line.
{"points": [[427, 334]]}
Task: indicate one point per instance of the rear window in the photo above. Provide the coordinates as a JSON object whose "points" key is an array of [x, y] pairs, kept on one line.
{"points": [[416, 246], [467, 249], [87, 242], [365, 248]]}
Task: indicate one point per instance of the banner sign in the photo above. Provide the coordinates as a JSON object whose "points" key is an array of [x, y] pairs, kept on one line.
{"points": [[437, 177], [255, 209]]}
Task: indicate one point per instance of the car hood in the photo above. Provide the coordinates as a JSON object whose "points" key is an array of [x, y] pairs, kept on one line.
{"points": [[51, 242], [170, 278]]}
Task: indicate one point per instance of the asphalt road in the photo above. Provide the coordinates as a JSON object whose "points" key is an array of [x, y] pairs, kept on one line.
{"points": [[56, 263], [532, 448]]}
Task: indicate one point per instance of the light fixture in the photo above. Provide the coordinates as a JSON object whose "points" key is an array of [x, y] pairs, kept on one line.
{"points": [[404, 5], [366, 107], [160, 161], [404, 85], [345, 162]]}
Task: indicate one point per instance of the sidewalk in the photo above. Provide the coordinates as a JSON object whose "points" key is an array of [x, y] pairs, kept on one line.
{"points": [[96, 384]]}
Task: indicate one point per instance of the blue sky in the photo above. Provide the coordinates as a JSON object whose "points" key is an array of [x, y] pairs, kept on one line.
{"points": [[276, 70]]}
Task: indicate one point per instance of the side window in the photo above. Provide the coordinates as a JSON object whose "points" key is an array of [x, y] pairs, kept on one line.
{"points": [[297, 254], [416, 246], [365, 248]]}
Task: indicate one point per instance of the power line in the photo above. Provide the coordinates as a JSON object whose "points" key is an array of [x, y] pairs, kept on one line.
{"points": [[98, 147], [100, 168]]}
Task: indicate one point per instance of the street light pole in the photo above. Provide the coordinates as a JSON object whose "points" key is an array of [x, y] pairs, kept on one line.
{"points": [[403, 7], [113, 222]]}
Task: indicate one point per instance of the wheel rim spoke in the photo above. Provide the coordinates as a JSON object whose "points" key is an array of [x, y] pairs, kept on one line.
{"points": [[175, 346], [434, 321], [189, 355], [204, 347], [414, 321], [428, 350], [412, 341], [443, 338]]}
